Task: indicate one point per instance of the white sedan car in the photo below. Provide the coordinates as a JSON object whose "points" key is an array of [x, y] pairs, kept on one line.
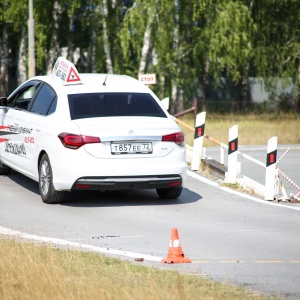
{"points": [[71, 131]]}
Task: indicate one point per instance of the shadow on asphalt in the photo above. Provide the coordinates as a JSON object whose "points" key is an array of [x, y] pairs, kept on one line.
{"points": [[126, 198], [109, 198], [24, 181]]}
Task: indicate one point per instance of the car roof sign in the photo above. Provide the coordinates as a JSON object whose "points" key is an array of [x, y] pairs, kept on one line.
{"points": [[66, 72]]}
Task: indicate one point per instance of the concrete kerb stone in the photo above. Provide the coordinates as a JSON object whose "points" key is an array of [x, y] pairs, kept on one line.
{"points": [[218, 170]]}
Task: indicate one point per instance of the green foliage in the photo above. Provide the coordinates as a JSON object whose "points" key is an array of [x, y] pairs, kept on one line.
{"points": [[277, 42], [132, 34], [230, 39], [189, 41], [15, 12]]}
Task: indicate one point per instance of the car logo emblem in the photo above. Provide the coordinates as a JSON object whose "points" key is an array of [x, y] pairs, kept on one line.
{"points": [[130, 132]]}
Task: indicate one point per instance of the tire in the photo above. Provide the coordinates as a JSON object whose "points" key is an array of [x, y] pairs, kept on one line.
{"points": [[4, 170], [169, 193], [47, 191]]}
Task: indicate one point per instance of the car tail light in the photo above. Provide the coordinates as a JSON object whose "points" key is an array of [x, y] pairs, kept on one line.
{"points": [[75, 141], [177, 137]]}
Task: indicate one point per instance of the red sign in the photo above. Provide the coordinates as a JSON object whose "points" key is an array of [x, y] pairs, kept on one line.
{"points": [[73, 76]]}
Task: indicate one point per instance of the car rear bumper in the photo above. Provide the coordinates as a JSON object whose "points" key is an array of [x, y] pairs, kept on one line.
{"points": [[125, 182]]}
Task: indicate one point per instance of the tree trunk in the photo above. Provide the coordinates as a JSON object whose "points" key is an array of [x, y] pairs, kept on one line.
{"points": [[93, 52], [22, 75], [109, 65], [54, 51], [174, 109], [245, 88], [70, 39], [177, 94], [146, 44], [4, 63], [206, 85], [93, 46]]}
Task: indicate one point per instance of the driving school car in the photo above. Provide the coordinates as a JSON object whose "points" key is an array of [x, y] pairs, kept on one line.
{"points": [[71, 131]]}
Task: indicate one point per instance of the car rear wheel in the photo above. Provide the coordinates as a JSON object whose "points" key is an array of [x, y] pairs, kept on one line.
{"points": [[47, 190], [169, 193], [4, 170]]}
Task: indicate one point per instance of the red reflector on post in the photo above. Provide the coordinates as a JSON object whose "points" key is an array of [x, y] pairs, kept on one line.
{"points": [[232, 146], [271, 158], [200, 131]]}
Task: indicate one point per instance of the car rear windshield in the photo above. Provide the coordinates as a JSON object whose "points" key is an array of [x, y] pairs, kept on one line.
{"points": [[91, 105]]}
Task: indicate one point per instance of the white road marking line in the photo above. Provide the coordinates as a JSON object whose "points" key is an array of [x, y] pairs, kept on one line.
{"points": [[212, 183], [37, 238]]}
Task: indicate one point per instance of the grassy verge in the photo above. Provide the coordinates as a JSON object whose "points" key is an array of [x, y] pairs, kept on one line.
{"points": [[253, 129], [42, 272]]}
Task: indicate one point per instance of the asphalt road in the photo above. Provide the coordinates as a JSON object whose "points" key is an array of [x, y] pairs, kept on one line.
{"points": [[229, 237]]}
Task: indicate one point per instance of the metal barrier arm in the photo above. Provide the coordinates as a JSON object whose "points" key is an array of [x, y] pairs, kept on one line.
{"points": [[221, 144], [216, 141], [184, 124], [251, 159]]}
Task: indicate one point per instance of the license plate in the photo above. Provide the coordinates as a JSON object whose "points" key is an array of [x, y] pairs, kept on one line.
{"points": [[131, 148]]}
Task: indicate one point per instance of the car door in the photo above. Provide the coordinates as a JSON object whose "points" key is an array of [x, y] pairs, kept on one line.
{"points": [[14, 152], [40, 115]]}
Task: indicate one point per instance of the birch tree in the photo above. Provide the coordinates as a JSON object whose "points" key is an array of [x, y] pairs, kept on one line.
{"points": [[22, 74], [133, 34], [109, 65]]}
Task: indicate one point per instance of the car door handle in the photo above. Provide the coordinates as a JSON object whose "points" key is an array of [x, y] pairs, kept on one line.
{"points": [[38, 128]]}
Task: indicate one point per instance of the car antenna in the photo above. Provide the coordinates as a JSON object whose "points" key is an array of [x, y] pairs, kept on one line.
{"points": [[104, 83]]}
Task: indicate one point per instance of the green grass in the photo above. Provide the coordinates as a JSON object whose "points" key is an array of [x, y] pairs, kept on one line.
{"points": [[253, 129], [34, 272]]}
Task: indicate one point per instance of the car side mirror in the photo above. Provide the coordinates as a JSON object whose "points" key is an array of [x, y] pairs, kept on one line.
{"points": [[3, 101]]}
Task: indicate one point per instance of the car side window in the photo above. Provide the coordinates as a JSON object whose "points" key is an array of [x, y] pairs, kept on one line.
{"points": [[23, 98], [45, 101]]}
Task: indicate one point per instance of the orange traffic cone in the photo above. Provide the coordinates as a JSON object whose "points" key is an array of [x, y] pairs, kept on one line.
{"points": [[175, 254]]}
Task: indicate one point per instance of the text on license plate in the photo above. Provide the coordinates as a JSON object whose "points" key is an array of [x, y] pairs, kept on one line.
{"points": [[131, 148]]}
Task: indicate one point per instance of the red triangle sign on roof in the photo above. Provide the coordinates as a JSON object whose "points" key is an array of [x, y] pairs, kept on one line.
{"points": [[73, 76], [64, 71]]}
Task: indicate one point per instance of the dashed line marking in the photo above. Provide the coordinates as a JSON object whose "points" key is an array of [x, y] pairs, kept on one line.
{"points": [[269, 261], [243, 261], [231, 261]]}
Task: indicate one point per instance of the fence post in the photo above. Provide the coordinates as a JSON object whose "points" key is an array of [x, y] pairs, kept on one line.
{"points": [[231, 175], [271, 169], [198, 141]]}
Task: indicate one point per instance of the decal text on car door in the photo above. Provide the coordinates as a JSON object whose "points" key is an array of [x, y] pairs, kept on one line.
{"points": [[15, 148], [19, 129]]}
